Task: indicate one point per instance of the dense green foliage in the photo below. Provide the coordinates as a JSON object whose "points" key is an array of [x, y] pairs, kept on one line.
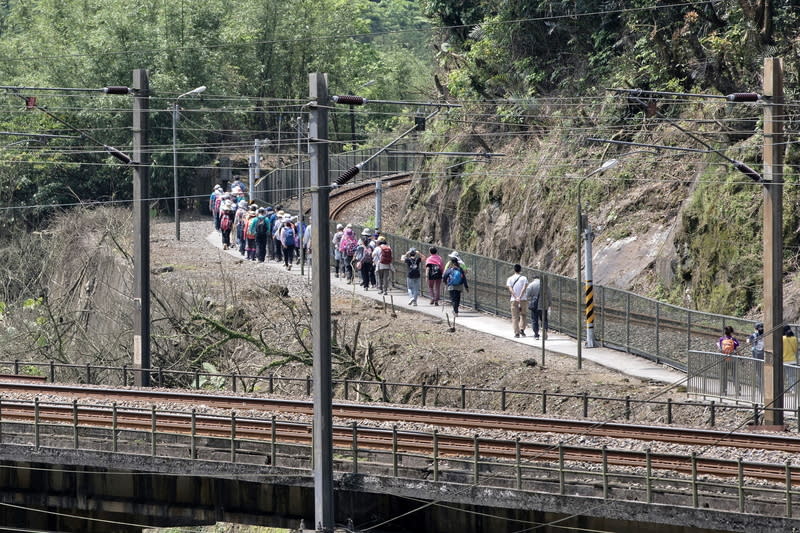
{"points": [[574, 46], [254, 57]]}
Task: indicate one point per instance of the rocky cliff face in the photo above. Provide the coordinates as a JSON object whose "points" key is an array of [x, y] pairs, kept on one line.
{"points": [[684, 229]]}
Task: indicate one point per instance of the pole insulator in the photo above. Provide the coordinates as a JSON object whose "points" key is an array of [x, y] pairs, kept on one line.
{"points": [[348, 174], [747, 171], [349, 99], [117, 89], [744, 97]]}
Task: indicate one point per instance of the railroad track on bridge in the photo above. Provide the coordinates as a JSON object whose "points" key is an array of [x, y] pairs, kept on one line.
{"points": [[462, 420]]}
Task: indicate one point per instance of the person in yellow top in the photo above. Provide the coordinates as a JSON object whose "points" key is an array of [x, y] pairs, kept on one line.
{"points": [[789, 346]]}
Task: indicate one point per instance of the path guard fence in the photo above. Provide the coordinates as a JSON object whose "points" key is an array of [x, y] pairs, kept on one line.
{"points": [[625, 321], [737, 378]]}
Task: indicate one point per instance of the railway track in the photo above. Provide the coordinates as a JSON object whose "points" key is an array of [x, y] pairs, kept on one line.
{"points": [[367, 439], [345, 197], [436, 418]]}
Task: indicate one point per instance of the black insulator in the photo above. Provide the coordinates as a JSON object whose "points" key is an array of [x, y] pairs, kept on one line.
{"points": [[116, 90], [743, 97], [119, 155], [347, 175], [349, 99], [747, 171]]}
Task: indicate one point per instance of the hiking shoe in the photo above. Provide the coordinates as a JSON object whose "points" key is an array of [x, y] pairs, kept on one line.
{"points": [[536, 336], [516, 335], [522, 333]]}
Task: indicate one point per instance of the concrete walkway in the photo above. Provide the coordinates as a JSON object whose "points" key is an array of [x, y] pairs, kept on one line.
{"points": [[626, 363]]}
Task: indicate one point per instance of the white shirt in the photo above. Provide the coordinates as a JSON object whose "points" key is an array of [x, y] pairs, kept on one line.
{"points": [[517, 283]]}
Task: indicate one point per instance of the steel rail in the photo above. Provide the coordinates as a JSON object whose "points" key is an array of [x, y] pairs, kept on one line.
{"points": [[382, 440], [441, 418]]}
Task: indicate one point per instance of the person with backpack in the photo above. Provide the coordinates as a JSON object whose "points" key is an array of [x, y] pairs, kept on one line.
{"points": [[212, 205], [263, 232], [277, 227], [249, 232], [434, 267], [382, 257], [727, 344], [456, 281], [272, 219], [517, 283], [413, 261], [288, 242], [337, 254], [238, 223], [363, 258], [756, 341], [538, 303], [227, 214], [347, 247]]}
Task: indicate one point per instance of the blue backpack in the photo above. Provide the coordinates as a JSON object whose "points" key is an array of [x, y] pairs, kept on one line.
{"points": [[288, 236], [456, 277]]}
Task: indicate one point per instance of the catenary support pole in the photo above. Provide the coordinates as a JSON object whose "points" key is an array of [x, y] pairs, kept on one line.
{"points": [[321, 319], [773, 241], [300, 192], [588, 287], [379, 204], [141, 231]]}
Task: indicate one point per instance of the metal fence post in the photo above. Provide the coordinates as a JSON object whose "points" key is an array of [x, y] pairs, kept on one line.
{"points": [[518, 460], [476, 458], [75, 424], [628, 322], [233, 436], [36, 423], [114, 438], [394, 451], [354, 425], [153, 431], [436, 455], [193, 437]]}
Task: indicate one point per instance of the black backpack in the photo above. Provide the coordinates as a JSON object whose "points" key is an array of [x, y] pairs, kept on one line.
{"points": [[262, 227]]}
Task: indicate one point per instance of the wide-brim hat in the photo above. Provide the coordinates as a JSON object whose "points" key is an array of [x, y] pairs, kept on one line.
{"points": [[366, 232]]}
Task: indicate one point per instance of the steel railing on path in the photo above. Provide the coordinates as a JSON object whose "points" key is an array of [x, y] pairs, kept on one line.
{"points": [[738, 378]]}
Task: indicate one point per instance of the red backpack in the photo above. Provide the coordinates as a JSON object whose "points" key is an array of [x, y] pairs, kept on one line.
{"points": [[386, 254]]}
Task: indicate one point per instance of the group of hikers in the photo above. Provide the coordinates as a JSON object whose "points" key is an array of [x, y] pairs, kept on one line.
{"points": [[728, 344], [257, 231], [370, 255]]}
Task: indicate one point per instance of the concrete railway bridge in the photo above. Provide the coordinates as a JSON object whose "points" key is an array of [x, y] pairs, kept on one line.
{"points": [[104, 473]]}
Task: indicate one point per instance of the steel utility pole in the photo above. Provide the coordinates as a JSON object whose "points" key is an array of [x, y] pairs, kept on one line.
{"points": [[321, 319], [773, 241], [141, 231]]}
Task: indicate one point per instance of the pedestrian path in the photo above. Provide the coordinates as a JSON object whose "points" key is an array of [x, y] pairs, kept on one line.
{"points": [[626, 363]]}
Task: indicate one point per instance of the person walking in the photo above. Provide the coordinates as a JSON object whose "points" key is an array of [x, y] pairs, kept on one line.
{"points": [[337, 254], [413, 263], [288, 242], [434, 267], [756, 341], [363, 258], [382, 258], [263, 232], [347, 247], [789, 346], [538, 303], [727, 344], [456, 281], [517, 283], [227, 214]]}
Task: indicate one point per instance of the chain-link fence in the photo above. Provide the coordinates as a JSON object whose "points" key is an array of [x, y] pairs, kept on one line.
{"points": [[624, 321]]}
